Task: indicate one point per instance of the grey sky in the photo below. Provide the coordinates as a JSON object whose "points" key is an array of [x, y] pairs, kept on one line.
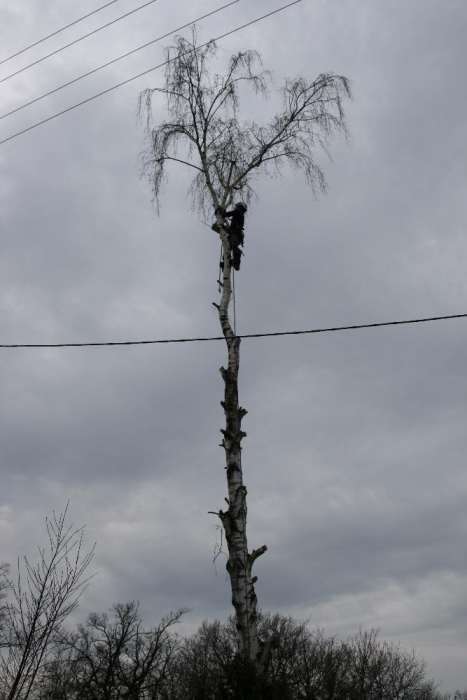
{"points": [[355, 456]]}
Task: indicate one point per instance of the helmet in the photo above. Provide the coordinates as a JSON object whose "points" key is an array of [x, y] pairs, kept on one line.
{"points": [[241, 205]]}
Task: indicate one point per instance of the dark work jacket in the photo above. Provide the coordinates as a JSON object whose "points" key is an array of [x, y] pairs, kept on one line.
{"points": [[236, 226]]}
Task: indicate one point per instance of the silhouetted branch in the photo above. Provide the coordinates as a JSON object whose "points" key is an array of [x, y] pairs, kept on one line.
{"points": [[44, 593]]}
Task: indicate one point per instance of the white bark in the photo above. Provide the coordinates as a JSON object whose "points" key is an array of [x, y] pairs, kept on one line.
{"points": [[234, 519]]}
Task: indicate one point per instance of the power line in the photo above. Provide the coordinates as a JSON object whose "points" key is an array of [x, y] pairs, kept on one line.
{"points": [[57, 31], [145, 72], [115, 60], [272, 334], [76, 41]]}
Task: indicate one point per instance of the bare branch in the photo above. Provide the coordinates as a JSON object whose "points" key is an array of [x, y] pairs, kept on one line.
{"points": [[185, 162], [113, 655], [44, 594], [204, 121]]}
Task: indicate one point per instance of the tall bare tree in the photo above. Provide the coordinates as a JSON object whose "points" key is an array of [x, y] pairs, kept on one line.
{"points": [[204, 132], [42, 596]]}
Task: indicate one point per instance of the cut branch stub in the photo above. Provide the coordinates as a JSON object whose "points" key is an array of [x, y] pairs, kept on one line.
{"points": [[256, 553]]}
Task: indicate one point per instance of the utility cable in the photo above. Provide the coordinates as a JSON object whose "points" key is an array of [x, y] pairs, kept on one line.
{"points": [[58, 31], [115, 60], [272, 334], [76, 41], [145, 72]]}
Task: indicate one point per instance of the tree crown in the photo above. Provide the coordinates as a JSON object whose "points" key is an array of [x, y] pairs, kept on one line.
{"points": [[225, 151]]}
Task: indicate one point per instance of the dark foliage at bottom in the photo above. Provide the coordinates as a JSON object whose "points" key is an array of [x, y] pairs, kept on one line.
{"points": [[116, 657]]}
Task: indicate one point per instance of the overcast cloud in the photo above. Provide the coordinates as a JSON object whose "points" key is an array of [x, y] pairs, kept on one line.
{"points": [[355, 457]]}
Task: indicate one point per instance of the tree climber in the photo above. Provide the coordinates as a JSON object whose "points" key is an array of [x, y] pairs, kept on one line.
{"points": [[235, 231], [236, 235]]}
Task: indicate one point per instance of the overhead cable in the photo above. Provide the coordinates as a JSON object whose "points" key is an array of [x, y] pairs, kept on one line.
{"points": [[273, 334], [145, 72], [115, 60], [57, 31], [76, 41]]}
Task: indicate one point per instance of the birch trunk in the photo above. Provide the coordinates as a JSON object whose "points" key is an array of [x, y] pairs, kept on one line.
{"points": [[234, 519]]}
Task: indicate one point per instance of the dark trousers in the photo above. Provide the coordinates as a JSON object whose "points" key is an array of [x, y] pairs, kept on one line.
{"points": [[236, 240], [236, 257]]}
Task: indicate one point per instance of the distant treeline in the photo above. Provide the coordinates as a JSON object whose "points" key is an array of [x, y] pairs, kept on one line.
{"points": [[116, 656]]}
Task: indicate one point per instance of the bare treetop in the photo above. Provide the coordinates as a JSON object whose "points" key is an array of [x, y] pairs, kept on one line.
{"points": [[224, 150]]}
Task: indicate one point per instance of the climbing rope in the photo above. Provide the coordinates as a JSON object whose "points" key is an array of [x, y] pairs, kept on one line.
{"points": [[234, 302]]}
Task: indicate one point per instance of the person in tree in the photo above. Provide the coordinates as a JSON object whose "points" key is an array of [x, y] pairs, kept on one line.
{"points": [[236, 231]]}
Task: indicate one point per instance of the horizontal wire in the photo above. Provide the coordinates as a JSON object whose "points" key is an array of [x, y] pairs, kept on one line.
{"points": [[115, 60], [139, 75], [331, 329], [58, 31], [76, 41]]}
